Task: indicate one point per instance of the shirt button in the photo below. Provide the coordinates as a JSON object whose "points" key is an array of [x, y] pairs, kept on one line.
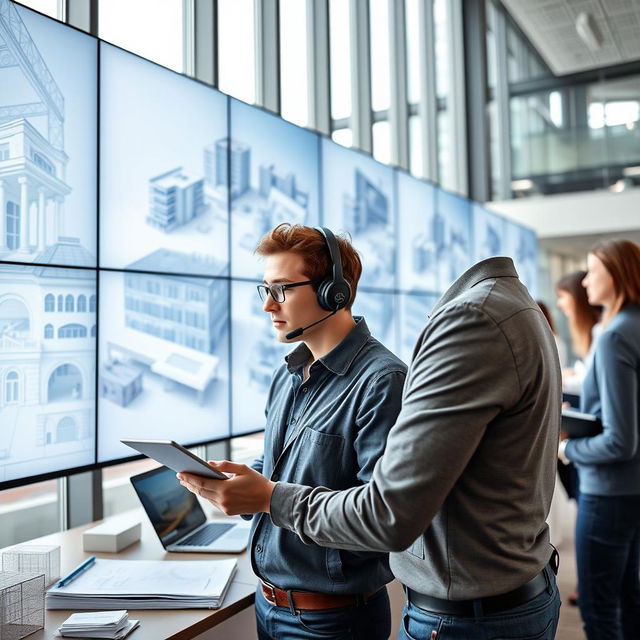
{"points": [[293, 421], [305, 389], [258, 548], [275, 477]]}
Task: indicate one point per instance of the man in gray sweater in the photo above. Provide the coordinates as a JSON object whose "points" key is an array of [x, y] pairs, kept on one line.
{"points": [[462, 492]]}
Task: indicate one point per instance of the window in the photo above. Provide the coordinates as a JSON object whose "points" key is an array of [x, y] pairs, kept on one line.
{"points": [[82, 304], [381, 132], [12, 388], [13, 225], [29, 511], [151, 28], [93, 331], [236, 49], [49, 303], [48, 331], [68, 303], [4, 151], [51, 8], [343, 137], [72, 331], [294, 79], [92, 304], [40, 161], [60, 303]]}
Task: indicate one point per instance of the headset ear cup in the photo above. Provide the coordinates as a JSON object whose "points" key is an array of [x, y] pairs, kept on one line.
{"points": [[323, 298]]}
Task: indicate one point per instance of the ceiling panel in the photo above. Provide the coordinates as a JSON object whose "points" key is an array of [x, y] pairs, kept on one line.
{"points": [[551, 27]]}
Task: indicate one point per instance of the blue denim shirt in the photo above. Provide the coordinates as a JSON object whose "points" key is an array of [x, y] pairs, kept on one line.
{"points": [[327, 431]]}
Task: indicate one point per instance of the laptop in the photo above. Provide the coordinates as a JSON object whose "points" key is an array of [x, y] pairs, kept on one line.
{"points": [[180, 521]]}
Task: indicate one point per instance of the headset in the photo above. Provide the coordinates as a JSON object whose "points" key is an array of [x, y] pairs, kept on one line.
{"points": [[334, 292]]}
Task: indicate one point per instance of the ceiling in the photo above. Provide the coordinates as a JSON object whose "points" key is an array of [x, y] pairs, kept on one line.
{"points": [[551, 27]]}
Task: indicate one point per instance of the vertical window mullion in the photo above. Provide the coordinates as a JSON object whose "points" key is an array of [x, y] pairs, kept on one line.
{"points": [[361, 119], [319, 86], [398, 107], [267, 56]]}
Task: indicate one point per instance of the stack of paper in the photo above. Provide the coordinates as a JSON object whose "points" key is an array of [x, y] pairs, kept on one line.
{"points": [[146, 584], [114, 625]]}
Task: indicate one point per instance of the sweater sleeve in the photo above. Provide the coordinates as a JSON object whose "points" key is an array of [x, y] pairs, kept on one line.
{"points": [[617, 383]]}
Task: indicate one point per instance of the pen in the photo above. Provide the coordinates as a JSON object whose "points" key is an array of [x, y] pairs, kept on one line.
{"points": [[77, 571]]}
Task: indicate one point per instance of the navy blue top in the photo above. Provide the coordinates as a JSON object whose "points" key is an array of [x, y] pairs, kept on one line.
{"points": [[609, 463], [327, 431]]}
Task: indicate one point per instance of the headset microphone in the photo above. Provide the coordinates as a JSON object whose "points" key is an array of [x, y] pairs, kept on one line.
{"points": [[300, 330]]}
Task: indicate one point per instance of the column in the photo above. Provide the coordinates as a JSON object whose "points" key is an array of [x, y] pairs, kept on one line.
{"points": [[59, 221], [24, 215], [42, 221], [3, 218]]}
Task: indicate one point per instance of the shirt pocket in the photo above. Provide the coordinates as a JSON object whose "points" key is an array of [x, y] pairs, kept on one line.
{"points": [[318, 458]]}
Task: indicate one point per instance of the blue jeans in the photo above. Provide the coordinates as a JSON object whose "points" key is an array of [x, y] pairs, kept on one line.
{"points": [[608, 559], [534, 620], [368, 621]]}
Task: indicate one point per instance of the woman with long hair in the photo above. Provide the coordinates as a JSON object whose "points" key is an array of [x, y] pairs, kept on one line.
{"points": [[608, 524], [583, 319]]}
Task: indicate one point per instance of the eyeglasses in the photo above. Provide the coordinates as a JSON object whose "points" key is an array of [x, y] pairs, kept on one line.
{"points": [[277, 290]]}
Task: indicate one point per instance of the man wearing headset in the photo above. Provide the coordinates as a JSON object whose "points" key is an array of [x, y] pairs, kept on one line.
{"points": [[329, 410]]}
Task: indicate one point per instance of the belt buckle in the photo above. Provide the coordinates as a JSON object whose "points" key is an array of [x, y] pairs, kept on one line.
{"points": [[272, 592]]}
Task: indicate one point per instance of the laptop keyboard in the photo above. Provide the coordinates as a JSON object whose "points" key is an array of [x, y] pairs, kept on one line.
{"points": [[205, 536]]}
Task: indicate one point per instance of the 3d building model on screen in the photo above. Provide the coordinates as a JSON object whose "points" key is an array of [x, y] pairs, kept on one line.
{"points": [[164, 351], [359, 199], [47, 368], [35, 224], [274, 179]]}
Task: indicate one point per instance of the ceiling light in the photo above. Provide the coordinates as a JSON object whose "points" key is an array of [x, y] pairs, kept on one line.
{"points": [[589, 31], [522, 185], [631, 172]]}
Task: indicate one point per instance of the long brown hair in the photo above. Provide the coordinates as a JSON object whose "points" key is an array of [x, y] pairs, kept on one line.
{"points": [[586, 315], [621, 259]]}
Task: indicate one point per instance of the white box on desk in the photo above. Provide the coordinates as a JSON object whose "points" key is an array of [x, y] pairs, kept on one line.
{"points": [[112, 535]]}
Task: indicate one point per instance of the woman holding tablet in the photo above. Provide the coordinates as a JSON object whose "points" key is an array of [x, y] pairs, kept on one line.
{"points": [[608, 525]]}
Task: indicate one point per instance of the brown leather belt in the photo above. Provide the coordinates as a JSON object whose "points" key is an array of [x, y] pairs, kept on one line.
{"points": [[307, 600]]}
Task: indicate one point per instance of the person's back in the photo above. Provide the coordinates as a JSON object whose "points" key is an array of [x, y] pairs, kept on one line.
{"points": [[490, 534]]}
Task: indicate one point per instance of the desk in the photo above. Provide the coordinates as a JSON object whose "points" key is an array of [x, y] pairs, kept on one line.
{"points": [[170, 624]]}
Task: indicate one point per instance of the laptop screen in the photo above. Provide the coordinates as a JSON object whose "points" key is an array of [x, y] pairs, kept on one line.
{"points": [[172, 509]]}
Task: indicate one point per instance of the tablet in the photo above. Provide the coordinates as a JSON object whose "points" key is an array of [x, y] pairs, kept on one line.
{"points": [[580, 425], [174, 456]]}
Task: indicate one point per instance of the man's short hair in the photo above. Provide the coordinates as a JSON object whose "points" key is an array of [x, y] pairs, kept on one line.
{"points": [[309, 243]]}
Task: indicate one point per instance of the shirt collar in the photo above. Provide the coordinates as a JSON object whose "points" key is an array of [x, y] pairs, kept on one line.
{"points": [[339, 359], [483, 270]]}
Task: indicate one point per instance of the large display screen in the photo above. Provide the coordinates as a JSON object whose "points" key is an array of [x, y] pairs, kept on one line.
{"points": [[274, 177], [156, 329], [48, 140], [359, 197], [419, 235], [163, 169]]}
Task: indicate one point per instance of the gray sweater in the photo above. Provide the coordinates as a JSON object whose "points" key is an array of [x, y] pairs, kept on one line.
{"points": [[463, 489], [609, 463]]}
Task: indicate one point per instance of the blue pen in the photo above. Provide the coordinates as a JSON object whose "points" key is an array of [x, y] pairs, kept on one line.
{"points": [[77, 571]]}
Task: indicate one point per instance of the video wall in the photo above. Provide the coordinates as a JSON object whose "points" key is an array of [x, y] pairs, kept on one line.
{"points": [[131, 201]]}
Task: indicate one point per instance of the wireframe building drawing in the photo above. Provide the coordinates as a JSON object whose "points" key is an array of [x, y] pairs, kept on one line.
{"points": [[175, 197], [33, 162]]}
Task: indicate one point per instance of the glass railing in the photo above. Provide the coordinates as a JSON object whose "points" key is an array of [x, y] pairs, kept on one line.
{"points": [[576, 150]]}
